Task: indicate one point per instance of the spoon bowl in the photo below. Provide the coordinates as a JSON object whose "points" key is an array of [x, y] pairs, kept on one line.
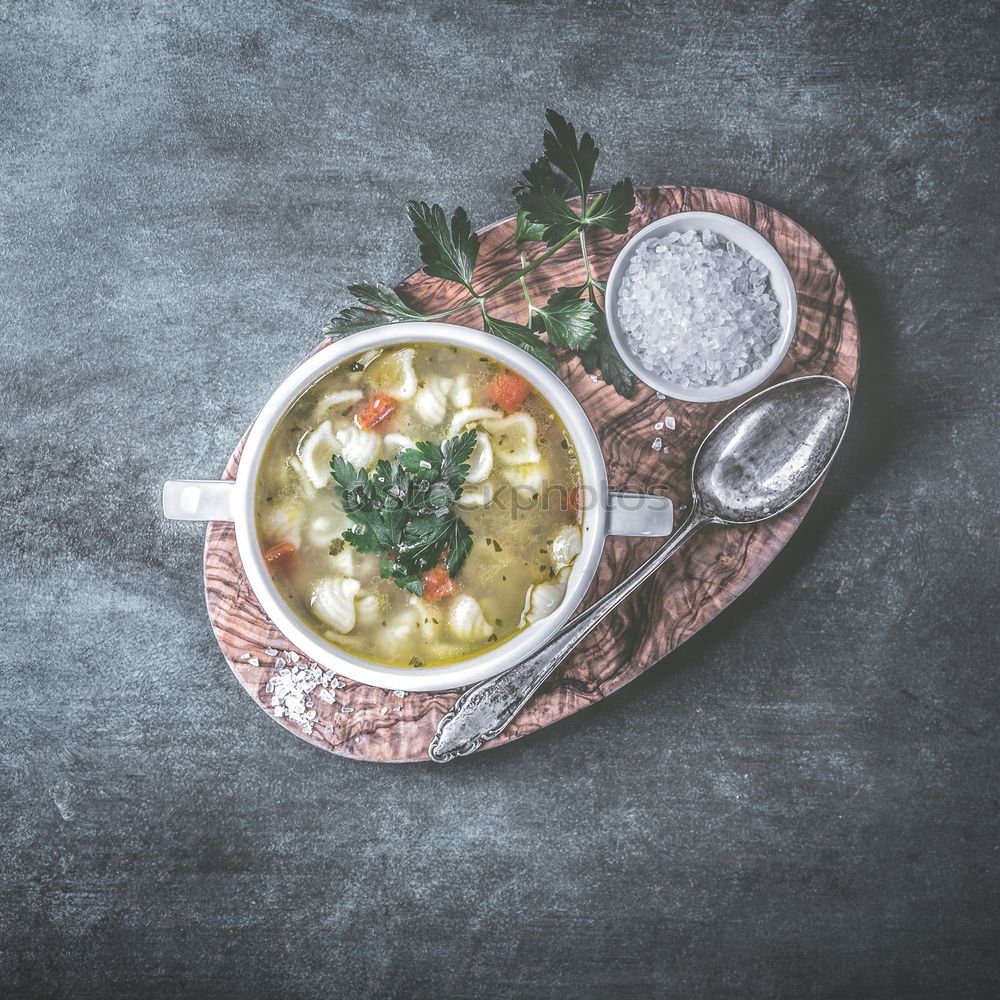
{"points": [[761, 458]]}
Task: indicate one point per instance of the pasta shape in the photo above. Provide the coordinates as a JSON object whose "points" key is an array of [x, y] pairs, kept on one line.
{"points": [[357, 447], [282, 522], [398, 629], [543, 598], [336, 401], [466, 619], [394, 373], [566, 545], [481, 462], [344, 562], [463, 418], [514, 438], [324, 528], [367, 610], [299, 469], [476, 498], [314, 453], [394, 443], [461, 392], [333, 602], [525, 479], [431, 402]]}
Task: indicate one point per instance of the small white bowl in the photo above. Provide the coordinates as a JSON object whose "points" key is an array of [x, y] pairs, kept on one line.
{"points": [[744, 237]]}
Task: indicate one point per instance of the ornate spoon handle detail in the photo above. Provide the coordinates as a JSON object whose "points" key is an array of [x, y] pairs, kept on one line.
{"points": [[484, 711]]}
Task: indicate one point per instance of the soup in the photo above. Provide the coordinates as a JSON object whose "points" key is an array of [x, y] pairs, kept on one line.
{"points": [[419, 505]]}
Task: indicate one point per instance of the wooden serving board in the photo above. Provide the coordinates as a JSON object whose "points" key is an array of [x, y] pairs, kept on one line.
{"points": [[702, 579]]}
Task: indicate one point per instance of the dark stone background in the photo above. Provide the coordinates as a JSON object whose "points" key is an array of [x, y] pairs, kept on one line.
{"points": [[801, 802]]}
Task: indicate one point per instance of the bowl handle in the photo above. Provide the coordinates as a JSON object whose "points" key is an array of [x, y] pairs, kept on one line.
{"points": [[199, 499], [640, 514]]}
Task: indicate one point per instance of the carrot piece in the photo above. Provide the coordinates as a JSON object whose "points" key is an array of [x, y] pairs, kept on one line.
{"points": [[509, 390], [437, 583], [376, 409], [279, 556]]}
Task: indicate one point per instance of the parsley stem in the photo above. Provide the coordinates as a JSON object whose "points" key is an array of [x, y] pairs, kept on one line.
{"points": [[528, 268], [527, 295], [516, 276], [586, 256]]}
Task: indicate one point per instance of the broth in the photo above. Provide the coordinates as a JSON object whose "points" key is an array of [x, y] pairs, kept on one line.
{"points": [[520, 500]]}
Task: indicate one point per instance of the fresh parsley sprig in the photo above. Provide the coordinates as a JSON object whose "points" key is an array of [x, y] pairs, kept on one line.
{"points": [[571, 318], [403, 510]]}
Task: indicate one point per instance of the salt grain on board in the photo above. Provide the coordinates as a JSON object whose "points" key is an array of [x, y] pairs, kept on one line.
{"points": [[291, 687]]}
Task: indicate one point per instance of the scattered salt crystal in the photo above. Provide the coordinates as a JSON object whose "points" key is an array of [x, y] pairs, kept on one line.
{"points": [[697, 311], [661, 395], [293, 656], [346, 711], [253, 661], [383, 710], [658, 426], [292, 689], [245, 656], [270, 651], [657, 444], [670, 423], [400, 694]]}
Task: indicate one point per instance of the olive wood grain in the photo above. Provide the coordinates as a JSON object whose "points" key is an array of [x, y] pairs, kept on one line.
{"points": [[704, 577]]}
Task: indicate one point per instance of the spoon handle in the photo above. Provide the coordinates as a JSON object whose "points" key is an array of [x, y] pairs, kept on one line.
{"points": [[484, 711]]}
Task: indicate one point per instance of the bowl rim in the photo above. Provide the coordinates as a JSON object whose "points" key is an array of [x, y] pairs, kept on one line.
{"points": [[749, 239], [521, 644]]}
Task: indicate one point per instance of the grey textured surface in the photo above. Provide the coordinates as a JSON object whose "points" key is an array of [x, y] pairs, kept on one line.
{"points": [[802, 801]]}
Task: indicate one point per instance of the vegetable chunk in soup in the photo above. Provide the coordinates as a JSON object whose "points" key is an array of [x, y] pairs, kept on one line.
{"points": [[419, 505]]}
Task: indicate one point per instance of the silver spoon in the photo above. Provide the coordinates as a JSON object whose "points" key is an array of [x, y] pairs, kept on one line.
{"points": [[755, 463]]}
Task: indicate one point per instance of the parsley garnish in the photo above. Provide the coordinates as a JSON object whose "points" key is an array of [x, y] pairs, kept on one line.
{"points": [[571, 318], [404, 511]]}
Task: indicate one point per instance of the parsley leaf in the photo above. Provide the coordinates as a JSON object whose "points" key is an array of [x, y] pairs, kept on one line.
{"points": [[611, 210], [567, 319], [546, 211], [539, 176], [575, 159], [385, 299], [353, 320], [602, 354], [403, 510], [523, 336], [447, 253], [384, 306]]}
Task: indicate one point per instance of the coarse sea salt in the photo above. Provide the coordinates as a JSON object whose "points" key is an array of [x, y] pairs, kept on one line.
{"points": [[291, 687], [698, 310]]}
